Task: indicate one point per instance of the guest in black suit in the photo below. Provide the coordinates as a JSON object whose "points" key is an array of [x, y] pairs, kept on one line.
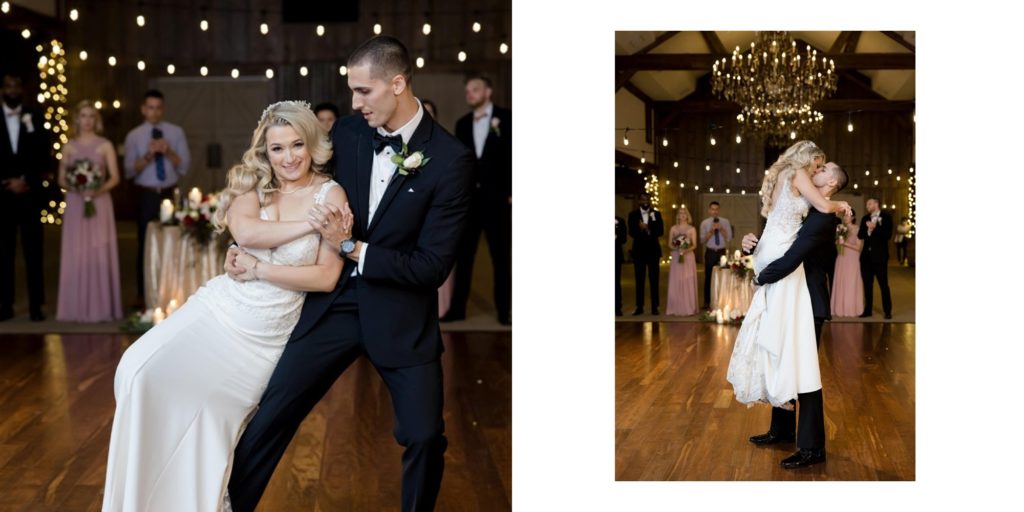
{"points": [[646, 226], [876, 230], [487, 131], [24, 158], [400, 248], [815, 248], [620, 240]]}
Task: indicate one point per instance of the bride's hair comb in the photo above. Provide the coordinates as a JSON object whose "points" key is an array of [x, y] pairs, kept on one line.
{"points": [[273, 106]]}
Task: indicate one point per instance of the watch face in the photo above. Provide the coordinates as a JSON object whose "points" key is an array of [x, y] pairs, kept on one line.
{"points": [[348, 246]]}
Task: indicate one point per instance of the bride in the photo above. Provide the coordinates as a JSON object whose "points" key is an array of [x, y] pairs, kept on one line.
{"points": [[775, 356], [186, 389]]}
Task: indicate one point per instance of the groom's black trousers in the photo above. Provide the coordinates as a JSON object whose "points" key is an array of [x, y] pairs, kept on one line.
{"points": [[812, 413], [307, 369]]}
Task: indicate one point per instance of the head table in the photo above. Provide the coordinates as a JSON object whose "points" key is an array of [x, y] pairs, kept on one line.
{"points": [[176, 265]]}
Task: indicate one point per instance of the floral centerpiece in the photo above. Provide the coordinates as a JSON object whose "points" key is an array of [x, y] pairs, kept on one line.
{"points": [[682, 242], [196, 217], [841, 232], [84, 176], [742, 265]]}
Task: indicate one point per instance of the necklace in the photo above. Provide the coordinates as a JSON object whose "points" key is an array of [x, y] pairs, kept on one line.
{"points": [[304, 187]]}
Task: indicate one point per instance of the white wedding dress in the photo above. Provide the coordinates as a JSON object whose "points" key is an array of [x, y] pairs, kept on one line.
{"points": [[776, 356], [186, 389]]}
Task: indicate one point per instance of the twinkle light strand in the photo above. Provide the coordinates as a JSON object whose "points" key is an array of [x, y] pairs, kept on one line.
{"points": [[53, 98]]}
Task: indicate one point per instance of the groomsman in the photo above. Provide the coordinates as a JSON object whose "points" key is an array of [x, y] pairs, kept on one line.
{"points": [[620, 240], [24, 158], [715, 232], [876, 230], [155, 156], [487, 130], [645, 226]]}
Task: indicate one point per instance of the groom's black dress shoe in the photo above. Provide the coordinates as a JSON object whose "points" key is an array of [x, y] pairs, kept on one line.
{"points": [[803, 458], [772, 438], [865, 315]]}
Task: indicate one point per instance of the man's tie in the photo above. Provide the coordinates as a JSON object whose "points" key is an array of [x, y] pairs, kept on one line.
{"points": [[382, 141], [718, 240], [161, 173]]}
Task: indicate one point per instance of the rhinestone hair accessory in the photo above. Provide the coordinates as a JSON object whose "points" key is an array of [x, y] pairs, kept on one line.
{"points": [[297, 103]]}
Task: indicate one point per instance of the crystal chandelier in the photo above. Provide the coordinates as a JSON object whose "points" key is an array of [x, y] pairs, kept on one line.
{"points": [[775, 86]]}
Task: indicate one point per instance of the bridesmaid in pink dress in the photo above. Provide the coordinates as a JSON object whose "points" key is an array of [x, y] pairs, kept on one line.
{"points": [[682, 277], [848, 289], [90, 283]]}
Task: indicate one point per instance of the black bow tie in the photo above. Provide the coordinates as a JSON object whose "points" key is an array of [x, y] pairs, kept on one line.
{"points": [[382, 141]]}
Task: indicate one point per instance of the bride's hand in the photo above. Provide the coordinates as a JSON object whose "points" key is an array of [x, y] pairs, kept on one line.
{"points": [[247, 263]]}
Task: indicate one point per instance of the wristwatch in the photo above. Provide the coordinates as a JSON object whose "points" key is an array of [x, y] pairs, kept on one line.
{"points": [[347, 246]]}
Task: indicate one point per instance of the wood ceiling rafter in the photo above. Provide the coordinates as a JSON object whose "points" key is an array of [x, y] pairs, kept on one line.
{"points": [[899, 39], [623, 77]]}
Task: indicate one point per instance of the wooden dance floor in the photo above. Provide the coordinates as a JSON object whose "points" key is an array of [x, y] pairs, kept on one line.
{"points": [[676, 417], [57, 402]]}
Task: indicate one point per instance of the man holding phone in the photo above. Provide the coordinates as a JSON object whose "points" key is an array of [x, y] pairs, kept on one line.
{"points": [[155, 156]]}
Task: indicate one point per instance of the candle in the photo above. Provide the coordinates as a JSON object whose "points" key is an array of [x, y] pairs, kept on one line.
{"points": [[195, 197], [172, 306], [718, 315], [158, 316], [725, 314], [737, 254], [166, 211]]}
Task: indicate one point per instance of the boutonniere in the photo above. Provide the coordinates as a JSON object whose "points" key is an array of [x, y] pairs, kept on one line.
{"points": [[409, 164], [26, 119], [495, 124]]}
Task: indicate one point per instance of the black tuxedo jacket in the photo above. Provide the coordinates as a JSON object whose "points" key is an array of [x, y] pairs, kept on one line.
{"points": [[646, 245], [815, 247], [412, 241], [494, 167], [876, 246], [620, 238], [33, 156]]}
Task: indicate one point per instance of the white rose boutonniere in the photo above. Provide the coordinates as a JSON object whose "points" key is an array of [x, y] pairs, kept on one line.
{"points": [[409, 164], [26, 119], [495, 126]]}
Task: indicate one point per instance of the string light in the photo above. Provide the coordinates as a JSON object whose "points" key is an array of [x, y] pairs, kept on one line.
{"points": [[270, 73], [643, 159], [52, 102], [664, 142], [84, 55], [73, 14], [320, 30], [264, 28], [476, 26], [713, 142], [426, 29], [849, 122], [738, 138], [855, 186], [204, 25], [876, 183], [707, 168], [503, 48], [116, 104], [419, 62], [98, 105], [170, 69], [112, 61], [792, 135], [203, 70], [625, 140], [140, 20], [675, 164], [26, 33], [462, 56], [890, 171], [343, 70], [743, 192], [737, 170], [303, 71], [234, 73], [867, 173], [376, 28], [141, 65]]}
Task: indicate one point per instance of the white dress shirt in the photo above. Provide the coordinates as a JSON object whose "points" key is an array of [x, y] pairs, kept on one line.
{"points": [[384, 170], [481, 127], [644, 215], [13, 118]]}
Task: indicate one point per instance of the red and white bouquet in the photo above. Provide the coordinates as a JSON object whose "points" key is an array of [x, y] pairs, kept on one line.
{"points": [[683, 243], [82, 176], [196, 218]]}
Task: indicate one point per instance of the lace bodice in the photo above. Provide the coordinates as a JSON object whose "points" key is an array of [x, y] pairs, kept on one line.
{"points": [[784, 222], [261, 310]]}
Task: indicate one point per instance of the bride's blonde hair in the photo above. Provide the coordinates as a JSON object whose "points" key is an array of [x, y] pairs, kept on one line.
{"points": [[255, 171], [798, 156]]}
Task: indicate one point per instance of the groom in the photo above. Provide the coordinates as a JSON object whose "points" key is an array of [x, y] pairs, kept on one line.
{"points": [[398, 240], [815, 248]]}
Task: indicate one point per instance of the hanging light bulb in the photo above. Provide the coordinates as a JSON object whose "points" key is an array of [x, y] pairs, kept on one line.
{"points": [[897, 178], [462, 56], [849, 122], [712, 189], [664, 142], [112, 60], [639, 171], [420, 62], [26, 33], [204, 25], [141, 65], [426, 28], [140, 20], [707, 168], [270, 73], [792, 135], [116, 104], [303, 71], [376, 28], [876, 183], [668, 182], [343, 70], [264, 28], [743, 192], [170, 69], [738, 139], [320, 30], [737, 170], [476, 26], [234, 73], [503, 48], [73, 14], [681, 185], [625, 139], [98, 105], [867, 173], [675, 164], [203, 71], [84, 55], [713, 142], [855, 187], [890, 171], [643, 159]]}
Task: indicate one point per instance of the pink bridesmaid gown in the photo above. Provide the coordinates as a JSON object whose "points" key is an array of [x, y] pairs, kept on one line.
{"points": [[682, 285], [90, 283], [848, 288]]}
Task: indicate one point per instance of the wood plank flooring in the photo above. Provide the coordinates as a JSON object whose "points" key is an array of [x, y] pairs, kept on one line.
{"points": [[677, 419], [56, 405]]}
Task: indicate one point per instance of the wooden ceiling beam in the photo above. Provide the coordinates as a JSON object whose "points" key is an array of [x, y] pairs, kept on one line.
{"points": [[899, 39], [837, 47], [714, 43]]}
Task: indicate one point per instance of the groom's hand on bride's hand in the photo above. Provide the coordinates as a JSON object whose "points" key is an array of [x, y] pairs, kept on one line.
{"points": [[334, 224]]}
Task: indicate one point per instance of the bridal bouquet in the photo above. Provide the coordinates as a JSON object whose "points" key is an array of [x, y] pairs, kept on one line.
{"points": [[683, 243], [196, 219], [83, 176], [841, 232]]}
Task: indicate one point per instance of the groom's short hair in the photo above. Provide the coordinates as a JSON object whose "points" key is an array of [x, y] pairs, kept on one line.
{"points": [[840, 176], [387, 57]]}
